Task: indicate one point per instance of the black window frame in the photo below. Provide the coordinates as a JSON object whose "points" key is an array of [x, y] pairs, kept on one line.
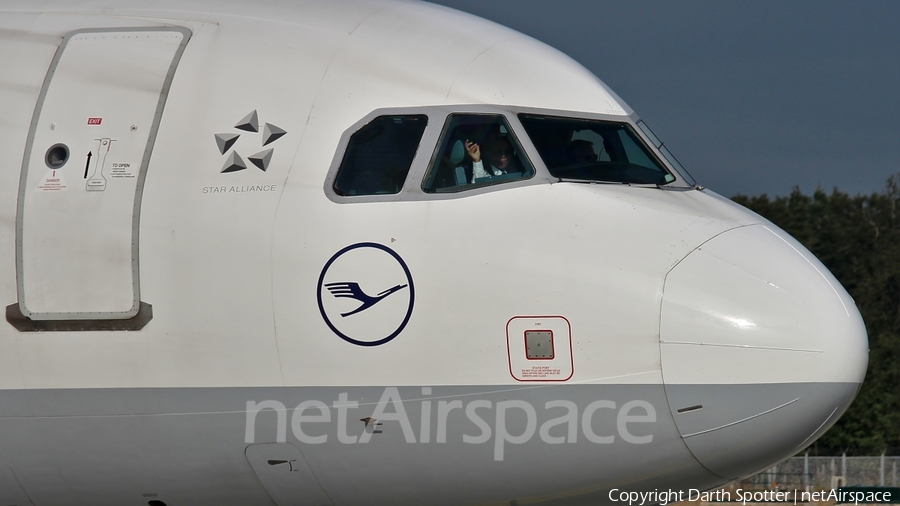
{"points": [[614, 146], [449, 132], [430, 145], [351, 181]]}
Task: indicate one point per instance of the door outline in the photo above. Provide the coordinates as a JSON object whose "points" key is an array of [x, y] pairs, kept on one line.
{"points": [[140, 313]]}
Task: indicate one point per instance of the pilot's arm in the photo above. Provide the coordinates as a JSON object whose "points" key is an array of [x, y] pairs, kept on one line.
{"points": [[478, 170], [474, 151]]}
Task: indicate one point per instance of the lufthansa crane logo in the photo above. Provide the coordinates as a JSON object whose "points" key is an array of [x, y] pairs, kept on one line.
{"points": [[366, 294]]}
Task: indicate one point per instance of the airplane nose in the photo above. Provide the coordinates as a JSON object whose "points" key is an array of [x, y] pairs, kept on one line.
{"points": [[762, 349]]}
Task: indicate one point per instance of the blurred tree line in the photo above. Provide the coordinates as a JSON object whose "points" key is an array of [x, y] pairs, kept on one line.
{"points": [[858, 239]]}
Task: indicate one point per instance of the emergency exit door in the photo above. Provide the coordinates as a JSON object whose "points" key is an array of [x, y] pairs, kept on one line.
{"points": [[86, 158]]}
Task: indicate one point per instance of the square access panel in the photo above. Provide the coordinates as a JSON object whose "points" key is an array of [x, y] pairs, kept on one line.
{"points": [[539, 344], [540, 348]]}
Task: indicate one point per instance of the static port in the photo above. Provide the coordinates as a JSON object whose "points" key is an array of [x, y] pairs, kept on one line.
{"points": [[57, 156]]}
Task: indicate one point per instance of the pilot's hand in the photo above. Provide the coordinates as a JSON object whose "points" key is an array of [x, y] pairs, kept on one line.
{"points": [[474, 150]]}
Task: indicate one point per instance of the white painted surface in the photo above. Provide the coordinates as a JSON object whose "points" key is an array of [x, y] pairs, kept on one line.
{"points": [[555, 364], [78, 234], [231, 274], [751, 300], [231, 262]]}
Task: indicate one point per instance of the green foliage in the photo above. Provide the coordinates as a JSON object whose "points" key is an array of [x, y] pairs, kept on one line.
{"points": [[858, 239]]}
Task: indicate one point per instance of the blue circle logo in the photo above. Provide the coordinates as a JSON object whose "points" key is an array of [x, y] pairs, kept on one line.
{"points": [[366, 294]]}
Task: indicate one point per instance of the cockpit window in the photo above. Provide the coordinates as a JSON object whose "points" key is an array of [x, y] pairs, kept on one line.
{"points": [[666, 153], [476, 150], [379, 156], [593, 150]]}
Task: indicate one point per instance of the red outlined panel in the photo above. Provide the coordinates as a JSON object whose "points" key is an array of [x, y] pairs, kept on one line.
{"points": [[559, 367]]}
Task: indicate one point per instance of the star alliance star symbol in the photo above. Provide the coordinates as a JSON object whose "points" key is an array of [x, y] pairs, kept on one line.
{"points": [[249, 123]]}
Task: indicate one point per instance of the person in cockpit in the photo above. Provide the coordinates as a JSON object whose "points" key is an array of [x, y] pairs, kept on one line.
{"points": [[581, 151], [496, 159]]}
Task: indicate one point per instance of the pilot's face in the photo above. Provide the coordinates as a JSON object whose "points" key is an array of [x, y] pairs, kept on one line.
{"points": [[500, 155], [585, 154]]}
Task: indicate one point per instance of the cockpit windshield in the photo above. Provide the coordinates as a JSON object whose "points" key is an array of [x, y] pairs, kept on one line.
{"points": [[594, 150]]}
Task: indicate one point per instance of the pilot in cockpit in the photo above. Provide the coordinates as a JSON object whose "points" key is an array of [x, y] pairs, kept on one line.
{"points": [[497, 158], [581, 151]]}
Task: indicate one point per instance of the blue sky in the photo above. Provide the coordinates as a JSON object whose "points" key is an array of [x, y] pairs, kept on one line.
{"points": [[752, 97]]}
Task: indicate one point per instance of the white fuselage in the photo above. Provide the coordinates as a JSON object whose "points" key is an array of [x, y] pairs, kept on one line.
{"points": [[171, 334]]}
